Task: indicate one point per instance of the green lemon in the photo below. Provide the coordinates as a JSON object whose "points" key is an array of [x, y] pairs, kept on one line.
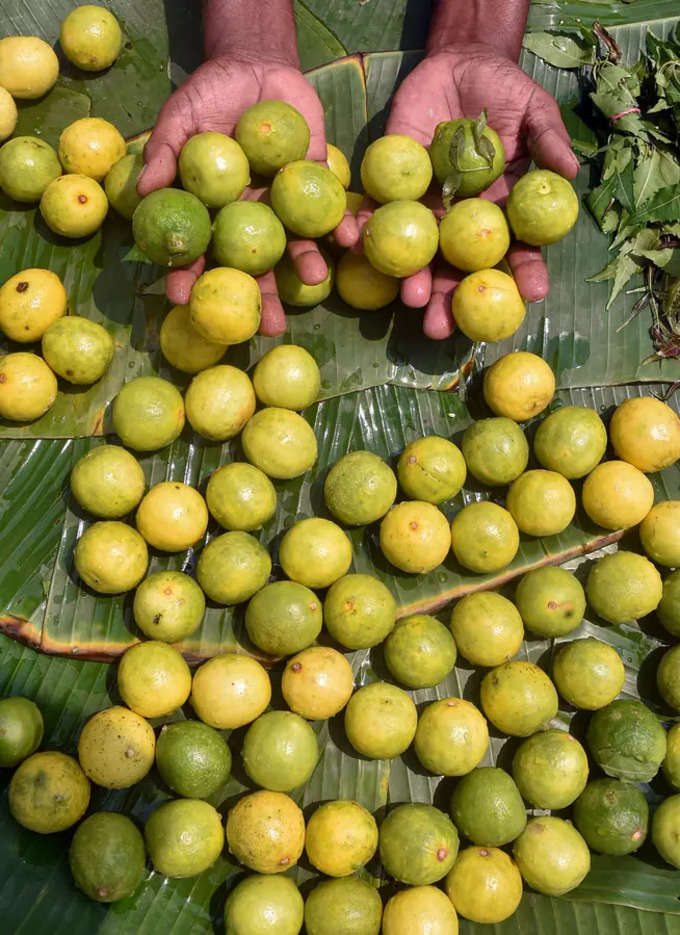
{"points": [[495, 450], [419, 910], [247, 235], [120, 184], [473, 234], [455, 150], [623, 586], [347, 904], [400, 238], [550, 769], [431, 469], [283, 618], [664, 830], [551, 601], [184, 837], [452, 737], [192, 758], [169, 606], [213, 167], [107, 857], [420, 651], [668, 610], [380, 721], [77, 349], [111, 557], [21, 729], [418, 844], [360, 488], [287, 376], [415, 537], [671, 763], [487, 808], [107, 481], [341, 838], [551, 855], [612, 816], [232, 567], [668, 678], [542, 207], [542, 503], [280, 751], [315, 552], [27, 166], [171, 227], [571, 441], [266, 831], [279, 442], [484, 537], [262, 904], [148, 413], [588, 674], [487, 628], [240, 496], [272, 134], [518, 698], [359, 611], [48, 792], [293, 291], [153, 678], [395, 167], [484, 885], [308, 198], [219, 402], [627, 741]]}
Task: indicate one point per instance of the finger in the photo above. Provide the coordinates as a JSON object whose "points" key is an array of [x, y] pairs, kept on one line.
{"points": [[273, 316], [366, 209], [346, 234], [529, 270], [308, 262], [547, 137], [417, 289], [173, 128], [438, 322], [179, 282]]}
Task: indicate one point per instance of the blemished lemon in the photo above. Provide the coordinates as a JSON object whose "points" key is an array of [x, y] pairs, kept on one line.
{"points": [[172, 516], [74, 205], [616, 495], [153, 678], [361, 285], [519, 385], [116, 748], [646, 432], [415, 537], [230, 690], [266, 831], [28, 388], [317, 683], [48, 792], [487, 306]]}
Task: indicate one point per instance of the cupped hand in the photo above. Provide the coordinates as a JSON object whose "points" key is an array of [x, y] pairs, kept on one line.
{"points": [[213, 98], [461, 82]]}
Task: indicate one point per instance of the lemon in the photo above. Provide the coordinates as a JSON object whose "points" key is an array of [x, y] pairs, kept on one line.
{"points": [[338, 164], [360, 488], [542, 503], [550, 769], [495, 450], [361, 285], [380, 721], [219, 402], [646, 432], [172, 227], [617, 495], [21, 729], [431, 469], [77, 349], [293, 291], [116, 748], [484, 885], [452, 737], [232, 567], [213, 167], [667, 678], [612, 816], [153, 678], [284, 617], [419, 910], [308, 198], [148, 413], [487, 807], [542, 207], [74, 205], [664, 833], [280, 751], [240, 496], [414, 536], [623, 586], [8, 114], [474, 235], [230, 690], [107, 857], [315, 552], [418, 843], [395, 167], [172, 516], [247, 235], [588, 673], [671, 762], [420, 651], [27, 166], [279, 442], [29, 302], [487, 628], [184, 837], [28, 66], [168, 605], [344, 904], [359, 611], [400, 238], [120, 184], [571, 440], [90, 37], [266, 831], [111, 557], [551, 601], [183, 346], [287, 376], [487, 306], [262, 904], [455, 151], [90, 146], [272, 134], [518, 698], [668, 610], [519, 385], [108, 481], [627, 741], [660, 533], [226, 305], [484, 537], [317, 683], [551, 855], [48, 792], [341, 838], [28, 387]]}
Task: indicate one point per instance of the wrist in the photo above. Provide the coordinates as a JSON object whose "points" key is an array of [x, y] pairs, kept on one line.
{"points": [[250, 32], [496, 26]]}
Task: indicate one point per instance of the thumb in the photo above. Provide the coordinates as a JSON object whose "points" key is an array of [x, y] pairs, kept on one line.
{"points": [[173, 128], [547, 137]]}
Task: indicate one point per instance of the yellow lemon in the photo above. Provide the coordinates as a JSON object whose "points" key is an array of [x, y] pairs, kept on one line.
{"points": [[90, 37], [487, 306], [219, 402], [617, 495], [315, 552], [660, 533], [116, 748], [183, 346], [317, 683], [28, 66], [400, 238], [27, 387], [414, 536], [361, 285], [230, 690], [542, 503], [266, 831], [280, 443], [90, 146], [8, 114], [172, 516], [484, 885], [518, 698], [111, 557], [452, 737], [474, 234], [396, 167], [646, 432], [341, 838], [29, 302], [338, 164], [74, 205], [484, 537], [419, 910], [153, 678], [226, 305], [542, 207], [518, 386]]}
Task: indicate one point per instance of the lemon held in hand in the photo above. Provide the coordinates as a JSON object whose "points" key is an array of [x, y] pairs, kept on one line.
{"points": [[400, 238], [456, 151], [279, 442], [172, 227], [230, 690], [668, 678], [172, 516], [108, 481], [359, 611], [21, 729], [219, 402], [551, 601], [419, 910], [284, 617], [395, 167], [153, 678], [226, 305], [518, 386], [90, 37], [184, 837], [192, 758], [287, 376], [360, 488], [28, 387], [415, 537], [262, 904], [617, 495], [30, 301], [571, 441], [232, 567], [90, 146], [487, 628], [111, 557], [338, 164], [266, 831], [183, 346], [213, 167], [107, 857], [542, 207], [148, 413], [308, 198], [588, 673], [518, 698], [361, 285], [27, 166], [168, 606], [487, 306], [418, 844], [431, 469], [317, 683], [646, 432], [116, 748], [48, 792], [623, 586], [484, 885], [120, 184], [452, 737], [380, 720], [344, 904], [240, 496], [484, 537], [247, 235], [474, 235], [551, 855], [77, 349], [660, 533], [293, 291], [280, 751], [28, 66], [495, 450], [272, 134]]}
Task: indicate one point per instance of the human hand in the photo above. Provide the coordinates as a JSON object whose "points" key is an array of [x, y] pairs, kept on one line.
{"points": [[459, 81], [214, 98]]}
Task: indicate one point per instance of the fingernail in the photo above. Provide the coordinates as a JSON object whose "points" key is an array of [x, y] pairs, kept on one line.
{"points": [[574, 160]]}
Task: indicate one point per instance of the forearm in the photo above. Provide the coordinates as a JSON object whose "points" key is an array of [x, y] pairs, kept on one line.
{"points": [[496, 23], [250, 28]]}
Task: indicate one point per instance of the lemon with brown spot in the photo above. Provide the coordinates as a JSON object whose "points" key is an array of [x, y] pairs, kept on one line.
{"points": [[415, 537], [487, 306], [90, 146], [432, 469], [317, 683], [48, 792], [452, 737], [359, 611], [28, 388], [77, 349], [646, 432], [153, 678], [226, 305], [230, 690], [74, 205], [116, 748], [272, 133], [418, 843], [183, 346], [660, 533], [172, 516], [169, 606], [542, 503], [266, 831], [28, 66], [29, 302], [551, 855], [484, 537], [551, 601], [616, 495], [341, 838]]}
